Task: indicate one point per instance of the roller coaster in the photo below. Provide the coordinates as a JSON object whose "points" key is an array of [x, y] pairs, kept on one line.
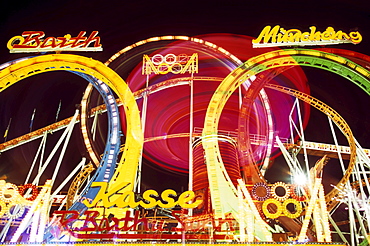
{"points": [[225, 120]]}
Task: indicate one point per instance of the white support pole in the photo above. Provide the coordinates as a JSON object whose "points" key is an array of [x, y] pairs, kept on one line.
{"points": [[293, 164], [143, 122], [339, 232], [66, 180], [42, 156], [95, 123], [41, 146], [337, 146], [56, 147], [61, 156], [191, 126], [357, 176], [303, 139]]}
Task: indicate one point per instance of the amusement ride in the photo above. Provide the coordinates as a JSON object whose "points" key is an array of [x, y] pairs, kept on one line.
{"points": [[230, 119]]}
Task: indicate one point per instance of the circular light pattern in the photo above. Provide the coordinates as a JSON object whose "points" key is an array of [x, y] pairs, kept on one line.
{"points": [[261, 185], [23, 189], [8, 191], [157, 59], [182, 58], [295, 196], [284, 186], [170, 58], [298, 208], [16, 212], [279, 208]]}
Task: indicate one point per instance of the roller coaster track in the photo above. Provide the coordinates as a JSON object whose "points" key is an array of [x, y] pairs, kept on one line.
{"points": [[98, 109], [138, 94], [78, 182], [342, 125], [126, 169], [220, 185]]}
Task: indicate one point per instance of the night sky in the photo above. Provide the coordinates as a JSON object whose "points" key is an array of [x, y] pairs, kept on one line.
{"points": [[121, 23]]}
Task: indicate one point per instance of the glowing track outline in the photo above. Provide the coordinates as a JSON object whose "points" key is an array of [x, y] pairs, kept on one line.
{"points": [[126, 169], [220, 186]]}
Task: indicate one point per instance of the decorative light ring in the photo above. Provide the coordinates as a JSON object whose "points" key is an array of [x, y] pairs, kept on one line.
{"points": [[293, 190], [256, 196], [182, 58], [19, 213], [279, 208], [170, 58], [157, 59], [298, 208], [3, 207], [283, 185], [161, 69], [23, 189], [5, 191], [176, 68]]}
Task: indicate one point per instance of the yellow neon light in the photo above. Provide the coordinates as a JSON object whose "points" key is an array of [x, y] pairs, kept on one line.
{"points": [[127, 199], [278, 36], [170, 63], [128, 164]]}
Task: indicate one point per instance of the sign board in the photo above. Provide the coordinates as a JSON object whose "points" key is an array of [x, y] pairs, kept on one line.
{"points": [[278, 36], [34, 41]]}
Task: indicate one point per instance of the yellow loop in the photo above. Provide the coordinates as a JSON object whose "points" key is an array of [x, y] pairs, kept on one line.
{"points": [[9, 192], [256, 196], [17, 214], [174, 70], [127, 167], [164, 71], [276, 196], [267, 212], [14, 39], [34, 189], [298, 208]]}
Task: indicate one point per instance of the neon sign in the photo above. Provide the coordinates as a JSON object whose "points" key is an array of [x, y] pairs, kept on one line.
{"points": [[34, 41], [170, 63], [111, 227], [133, 221], [278, 36], [127, 199]]}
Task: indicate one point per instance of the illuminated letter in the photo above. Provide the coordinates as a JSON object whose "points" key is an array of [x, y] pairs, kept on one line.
{"points": [[63, 41], [90, 217], [77, 40], [266, 35], [166, 197], [293, 35], [126, 199], [32, 40], [64, 221], [92, 38], [305, 36], [356, 37], [49, 42], [341, 35], [102, 195], [187, 197], [13, 40], [147, 196], [329, 34]]}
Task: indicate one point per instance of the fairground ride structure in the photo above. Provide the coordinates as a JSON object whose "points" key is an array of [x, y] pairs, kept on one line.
{"points": [[235, 133]]}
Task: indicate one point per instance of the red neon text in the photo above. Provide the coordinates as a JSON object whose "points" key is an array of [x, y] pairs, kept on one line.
{"points": [[34, 41]]}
